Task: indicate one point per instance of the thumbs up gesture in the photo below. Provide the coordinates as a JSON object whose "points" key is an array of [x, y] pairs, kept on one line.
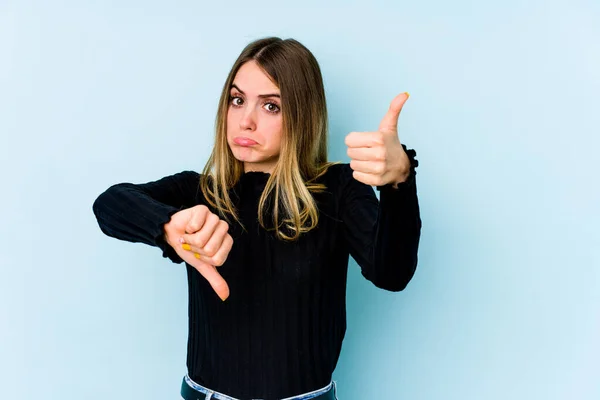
{"points": [[377, 158]]}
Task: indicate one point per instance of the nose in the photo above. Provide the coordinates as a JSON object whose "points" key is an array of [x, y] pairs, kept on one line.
{"points": [[248, 119]]}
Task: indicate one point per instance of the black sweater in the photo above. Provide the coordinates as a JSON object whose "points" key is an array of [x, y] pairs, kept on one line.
{"points": [[280, 332]]}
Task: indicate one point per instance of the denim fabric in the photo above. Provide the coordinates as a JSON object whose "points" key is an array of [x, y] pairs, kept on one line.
{"points": [[212, 395]]}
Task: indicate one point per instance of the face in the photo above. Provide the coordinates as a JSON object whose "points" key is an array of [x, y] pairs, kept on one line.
{"points": [[254, 119]]}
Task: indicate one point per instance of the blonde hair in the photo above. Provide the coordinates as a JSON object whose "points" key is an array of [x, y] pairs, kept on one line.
{"points": [[303, 153]]}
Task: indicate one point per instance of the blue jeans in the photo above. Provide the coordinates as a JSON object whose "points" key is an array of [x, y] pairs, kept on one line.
{"points": [[212, 395]]}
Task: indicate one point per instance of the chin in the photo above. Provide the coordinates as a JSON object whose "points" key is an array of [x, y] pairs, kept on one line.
{"points": [[242, 154]]}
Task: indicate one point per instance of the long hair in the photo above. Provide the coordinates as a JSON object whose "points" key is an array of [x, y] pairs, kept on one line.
{"points": [[303, 153]]}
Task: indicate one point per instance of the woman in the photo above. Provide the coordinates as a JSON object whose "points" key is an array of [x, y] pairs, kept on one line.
{"points": [[266, 230]]}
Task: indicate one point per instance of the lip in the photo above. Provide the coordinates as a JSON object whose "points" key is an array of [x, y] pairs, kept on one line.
{"points": [[244, 141]]}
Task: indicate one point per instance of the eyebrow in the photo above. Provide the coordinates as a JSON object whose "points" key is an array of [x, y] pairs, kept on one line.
{"points": [[233, 85]]}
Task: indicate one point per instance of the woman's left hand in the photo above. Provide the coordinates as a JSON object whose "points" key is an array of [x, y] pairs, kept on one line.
{"points": [[378, 158]]}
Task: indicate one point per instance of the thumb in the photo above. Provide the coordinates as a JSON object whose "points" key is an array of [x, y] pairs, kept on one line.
{"points": [[389, 123]]}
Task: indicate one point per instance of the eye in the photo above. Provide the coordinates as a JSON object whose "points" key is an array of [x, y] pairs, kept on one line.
{"points": [[232, 100], [273, 108]]}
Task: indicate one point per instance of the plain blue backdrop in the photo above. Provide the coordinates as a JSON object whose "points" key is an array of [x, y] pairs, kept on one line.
{"points": [[504, 114]]}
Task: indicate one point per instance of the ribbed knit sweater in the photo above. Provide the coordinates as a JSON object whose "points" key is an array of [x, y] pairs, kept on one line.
{"points": [[280, 331]]}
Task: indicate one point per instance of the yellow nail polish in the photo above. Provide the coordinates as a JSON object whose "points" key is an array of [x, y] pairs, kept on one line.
{"points": [[197, 255], [186, 246], [407, 94]]}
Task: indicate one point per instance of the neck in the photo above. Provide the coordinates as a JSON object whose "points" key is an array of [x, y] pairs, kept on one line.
{"points": [[250, 167]]}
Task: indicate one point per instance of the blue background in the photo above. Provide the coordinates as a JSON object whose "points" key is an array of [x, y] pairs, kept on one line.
{"points": [[504, 114]]}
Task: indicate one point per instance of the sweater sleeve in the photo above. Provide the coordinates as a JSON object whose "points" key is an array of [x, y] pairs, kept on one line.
{"points": [[383, 235], [138, 212]]}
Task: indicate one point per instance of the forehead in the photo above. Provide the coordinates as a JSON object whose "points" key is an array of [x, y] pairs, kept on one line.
{"points": [[253, 80]]}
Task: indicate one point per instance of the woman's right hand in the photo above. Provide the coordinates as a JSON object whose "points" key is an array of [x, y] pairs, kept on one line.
{"points": [[200, 238]]}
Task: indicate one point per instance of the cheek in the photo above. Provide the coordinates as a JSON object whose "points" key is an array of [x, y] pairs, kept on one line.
{"points": [[273, 128]]}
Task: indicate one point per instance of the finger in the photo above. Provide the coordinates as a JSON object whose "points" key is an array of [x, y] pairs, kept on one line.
{"points": [[196, 250], [218, 259], [389, 123], [197, 220], [368, 167], [215, 241], [364, 139], [369, 179], [215, 279], [200, 238], [367, 153], [221, 255]]}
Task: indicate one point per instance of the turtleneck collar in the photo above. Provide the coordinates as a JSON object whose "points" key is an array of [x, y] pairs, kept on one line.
{"points": [[260, 174], [252, 183]]}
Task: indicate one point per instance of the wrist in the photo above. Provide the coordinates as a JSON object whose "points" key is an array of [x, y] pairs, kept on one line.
{"points": [[165, 234], [401, 178]]}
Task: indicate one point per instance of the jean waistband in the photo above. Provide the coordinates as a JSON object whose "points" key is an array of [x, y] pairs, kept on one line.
{"points": [[213, 395]]}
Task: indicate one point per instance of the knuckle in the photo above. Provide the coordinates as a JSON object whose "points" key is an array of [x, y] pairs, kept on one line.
{"points": [[348, 138], [224, 225], [209, 249], [201, 242], [193, 226], [193, 241], [382, 154], [219, 260]]}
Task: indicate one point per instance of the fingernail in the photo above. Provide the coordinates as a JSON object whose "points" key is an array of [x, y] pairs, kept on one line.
{"points": [[186, 246], [407, 94], [197, 255]]}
